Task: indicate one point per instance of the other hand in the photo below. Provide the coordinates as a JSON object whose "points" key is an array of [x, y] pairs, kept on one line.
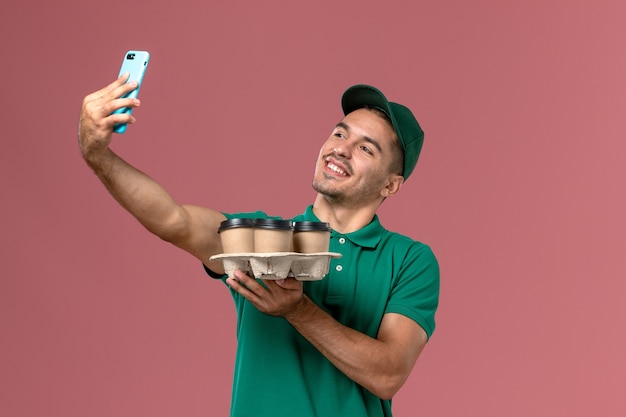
{"points": [[273, 297]]}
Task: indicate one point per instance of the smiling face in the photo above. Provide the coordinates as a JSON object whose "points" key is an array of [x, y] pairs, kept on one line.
{"points": [[355, 164]]}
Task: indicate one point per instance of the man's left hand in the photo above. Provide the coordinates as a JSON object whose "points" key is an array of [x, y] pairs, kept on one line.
{"points": [[275, 297]]}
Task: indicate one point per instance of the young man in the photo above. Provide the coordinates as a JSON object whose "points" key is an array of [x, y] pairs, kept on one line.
{"points": [[340, 346]]}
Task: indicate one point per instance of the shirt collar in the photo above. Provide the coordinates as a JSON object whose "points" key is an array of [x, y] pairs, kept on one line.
{"points": [[366, 237]]}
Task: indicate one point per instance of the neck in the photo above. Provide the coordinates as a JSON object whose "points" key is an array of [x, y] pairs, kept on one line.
{"points": [[343, 218]]}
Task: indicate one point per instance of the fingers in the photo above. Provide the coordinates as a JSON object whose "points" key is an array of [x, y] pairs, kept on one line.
{"points": [[108, 98], [99, 106], [248, 287], [102, 113], [115, 106], [287, 283], [120, 118], [106, 91], [241, 280], [99, 115], [250, 283], [251, 288], [273, 297]]}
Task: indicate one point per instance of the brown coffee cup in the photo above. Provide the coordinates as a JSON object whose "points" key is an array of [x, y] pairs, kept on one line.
{"points": [[272, 235], [237, 235], [311, 237]]}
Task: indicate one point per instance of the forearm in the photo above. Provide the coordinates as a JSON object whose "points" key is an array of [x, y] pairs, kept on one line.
{"points": [[139, 194], [380, 366]]}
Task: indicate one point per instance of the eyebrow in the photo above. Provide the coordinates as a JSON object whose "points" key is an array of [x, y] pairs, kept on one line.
{"points": [[365, 138]]}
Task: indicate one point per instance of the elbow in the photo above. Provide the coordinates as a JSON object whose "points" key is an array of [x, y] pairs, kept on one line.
{"points": [[168, 235], [387, 386], [386, 393], [171, 229]]}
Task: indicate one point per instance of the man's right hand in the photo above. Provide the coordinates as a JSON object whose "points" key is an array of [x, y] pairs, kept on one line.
{"points": [[95, 126]]}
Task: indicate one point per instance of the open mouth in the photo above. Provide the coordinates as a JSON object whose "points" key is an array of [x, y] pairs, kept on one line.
{"points": [[336, 168]]}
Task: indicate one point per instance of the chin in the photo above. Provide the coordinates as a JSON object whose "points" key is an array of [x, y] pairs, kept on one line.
{"points": [[325, 190]]}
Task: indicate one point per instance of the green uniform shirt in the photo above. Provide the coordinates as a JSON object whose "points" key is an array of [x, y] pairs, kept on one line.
{"points": [[278, 373]]}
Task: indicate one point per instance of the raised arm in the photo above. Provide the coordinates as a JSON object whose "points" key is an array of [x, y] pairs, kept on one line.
{"points": [[191, 228]]}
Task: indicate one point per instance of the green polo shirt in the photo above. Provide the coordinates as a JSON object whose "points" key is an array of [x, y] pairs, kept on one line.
{"points": [[278, 373]]}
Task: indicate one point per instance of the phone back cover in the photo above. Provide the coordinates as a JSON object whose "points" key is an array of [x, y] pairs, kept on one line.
{"points": [[135, 63]]}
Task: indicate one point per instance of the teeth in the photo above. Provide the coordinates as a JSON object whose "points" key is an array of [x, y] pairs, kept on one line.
{"points": [[336, 168]]}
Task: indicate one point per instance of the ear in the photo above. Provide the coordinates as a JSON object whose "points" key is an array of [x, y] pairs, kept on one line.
{"points": [[393, 185]]}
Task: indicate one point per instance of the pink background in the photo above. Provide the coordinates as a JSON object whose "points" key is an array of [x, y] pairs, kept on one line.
{"points": [[520, 192]]}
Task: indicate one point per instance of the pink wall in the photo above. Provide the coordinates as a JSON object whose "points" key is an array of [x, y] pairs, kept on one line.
{"points": [[520, 192]]}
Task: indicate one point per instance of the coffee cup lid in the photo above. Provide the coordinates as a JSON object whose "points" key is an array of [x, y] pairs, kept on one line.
{"points": [[234, 223], [312, 227], [274, 224]]}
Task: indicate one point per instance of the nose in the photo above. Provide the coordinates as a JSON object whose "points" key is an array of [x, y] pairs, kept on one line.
{"points": [[343, 150]]}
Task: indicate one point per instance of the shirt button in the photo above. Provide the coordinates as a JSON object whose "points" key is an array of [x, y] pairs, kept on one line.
{"points": [[338, 268], [342, 240]]}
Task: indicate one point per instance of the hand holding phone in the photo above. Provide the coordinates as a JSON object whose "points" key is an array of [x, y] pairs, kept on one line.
{"points": [[135, 63]]}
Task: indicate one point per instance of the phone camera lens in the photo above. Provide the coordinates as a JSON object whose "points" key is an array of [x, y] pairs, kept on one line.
{"points": [[130, 56]]}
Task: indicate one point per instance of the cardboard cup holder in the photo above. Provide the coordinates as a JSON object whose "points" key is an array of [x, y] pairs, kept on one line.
{"points": [[278, 265], [275, 249]]}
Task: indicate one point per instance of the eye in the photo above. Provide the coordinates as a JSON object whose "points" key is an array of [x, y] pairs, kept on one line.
{"points": [[366, 149], [339, 135]]}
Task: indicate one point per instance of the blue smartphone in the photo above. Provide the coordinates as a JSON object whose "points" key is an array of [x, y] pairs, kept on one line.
{"points": [[136, 63]]}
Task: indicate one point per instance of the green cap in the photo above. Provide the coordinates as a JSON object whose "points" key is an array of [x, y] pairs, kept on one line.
{"points": [[404, 123]]}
